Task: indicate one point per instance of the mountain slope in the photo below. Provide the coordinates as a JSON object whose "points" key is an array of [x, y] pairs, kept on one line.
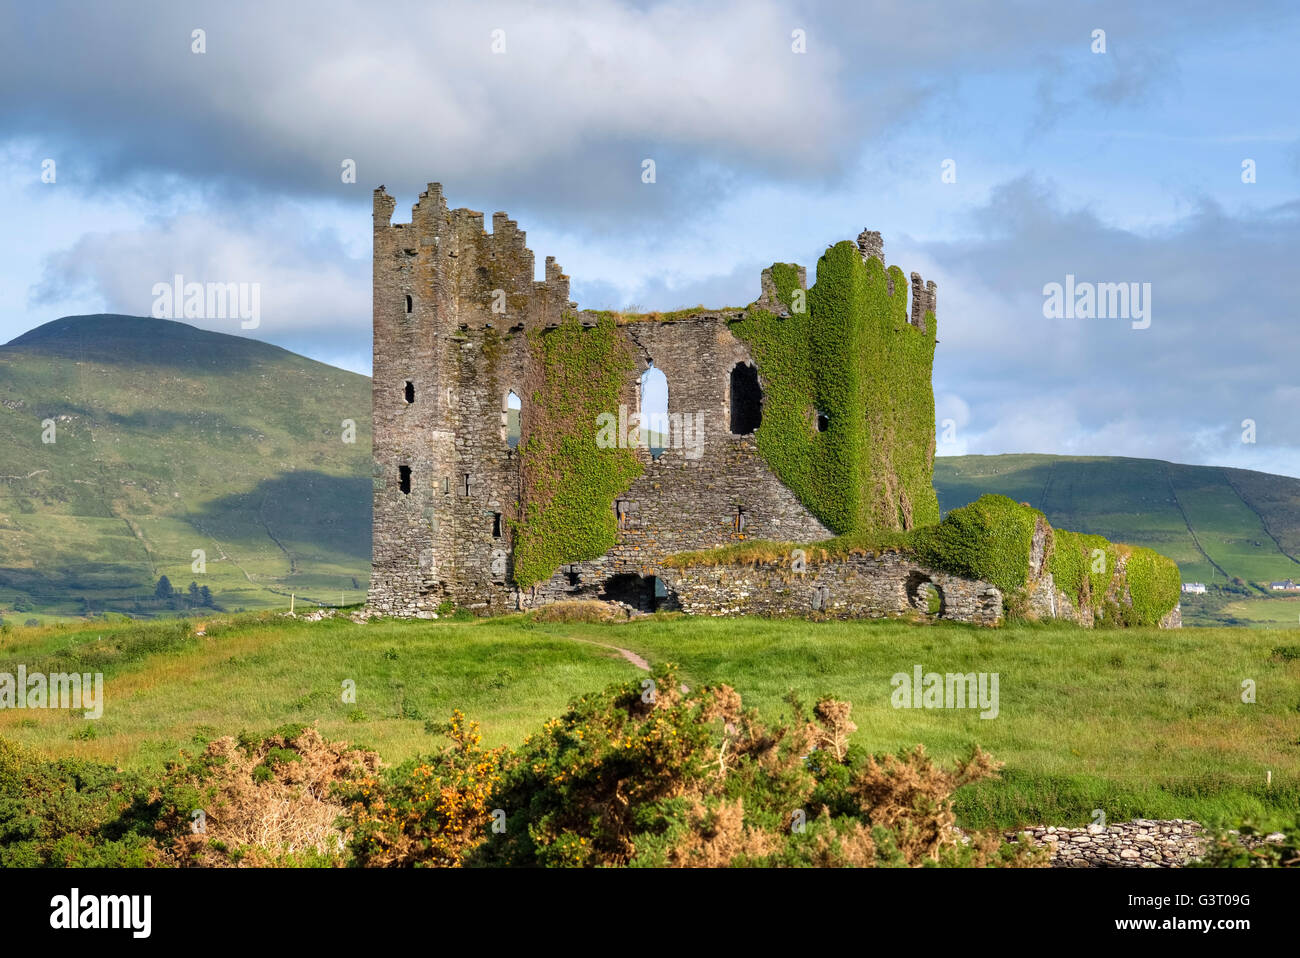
{"points": [[1217, 524], [170, 439]]}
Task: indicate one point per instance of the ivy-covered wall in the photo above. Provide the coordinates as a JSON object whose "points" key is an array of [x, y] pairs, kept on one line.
{"points": [[849, 356], [568, 481]]}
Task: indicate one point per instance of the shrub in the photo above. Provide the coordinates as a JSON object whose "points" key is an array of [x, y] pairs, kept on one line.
{"points": [[67, 812], [265, 801], [428, 811], [1244, 848]]}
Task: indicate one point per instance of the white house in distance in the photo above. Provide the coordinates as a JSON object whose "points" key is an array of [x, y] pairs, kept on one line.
{"points": [[1194, 587], [1288, 586]]}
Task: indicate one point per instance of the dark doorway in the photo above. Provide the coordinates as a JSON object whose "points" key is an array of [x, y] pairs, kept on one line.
{"points": [[746, 399], [638, 591]]}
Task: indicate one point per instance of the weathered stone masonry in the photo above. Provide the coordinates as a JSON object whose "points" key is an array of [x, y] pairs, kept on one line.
{"points": [[447, 483]]}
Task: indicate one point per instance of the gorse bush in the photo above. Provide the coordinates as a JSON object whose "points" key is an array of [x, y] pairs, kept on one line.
{"points": [[647, 773], [68, 813], [428, 811], [260, 801]]}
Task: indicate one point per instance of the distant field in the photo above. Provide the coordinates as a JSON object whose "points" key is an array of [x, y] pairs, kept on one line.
{"points": [[1135, 722]]}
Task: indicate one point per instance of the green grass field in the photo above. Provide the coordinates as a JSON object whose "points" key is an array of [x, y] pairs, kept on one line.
{"points": [[1134, 722]]}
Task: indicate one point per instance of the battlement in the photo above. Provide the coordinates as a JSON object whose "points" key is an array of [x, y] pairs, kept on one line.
{"points": [[458, 274]]}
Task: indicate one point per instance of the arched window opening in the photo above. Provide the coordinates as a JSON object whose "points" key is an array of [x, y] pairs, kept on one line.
{"points": [[746, 399], [654, 423], [409, 391], [513, 407], [823, 420]]}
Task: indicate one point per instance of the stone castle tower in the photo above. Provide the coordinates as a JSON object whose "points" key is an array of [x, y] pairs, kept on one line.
{"points": [[458, 319]]}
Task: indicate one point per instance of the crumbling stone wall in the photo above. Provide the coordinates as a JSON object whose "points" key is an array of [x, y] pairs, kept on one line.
{"points": [[888, 585]]}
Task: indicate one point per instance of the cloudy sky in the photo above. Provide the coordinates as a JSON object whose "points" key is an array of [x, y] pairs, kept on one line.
{"points": [[995, 145]]}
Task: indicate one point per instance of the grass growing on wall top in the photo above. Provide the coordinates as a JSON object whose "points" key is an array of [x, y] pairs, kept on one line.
{"points": [[569, 483], [852, 357]]}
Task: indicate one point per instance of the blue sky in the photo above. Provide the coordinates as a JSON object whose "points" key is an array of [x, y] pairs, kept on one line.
{"points": [[1122, 166]]}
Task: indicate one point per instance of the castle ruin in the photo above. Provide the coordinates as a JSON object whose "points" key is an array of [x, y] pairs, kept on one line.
{"points": [[807, 415]]}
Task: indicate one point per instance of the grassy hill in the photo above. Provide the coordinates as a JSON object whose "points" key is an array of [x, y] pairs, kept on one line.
{"points": [[170, 439]]}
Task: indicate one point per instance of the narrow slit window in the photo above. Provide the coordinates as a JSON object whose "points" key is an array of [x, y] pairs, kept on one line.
{"points": [[738, 520], [446, 485], [496, 525], [409, 302], [409, 391], [513, 431], [467, 483], [404, 479], [654, 428], [746, 400]]}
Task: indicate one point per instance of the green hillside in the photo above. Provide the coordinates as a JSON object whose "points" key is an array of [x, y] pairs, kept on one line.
{"points": [[169, 439]]}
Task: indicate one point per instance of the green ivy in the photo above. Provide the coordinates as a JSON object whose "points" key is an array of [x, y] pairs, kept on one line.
{"points": [[569, 483], [1153, 586], [989, 539], [1083, 576], [852, 356]]}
